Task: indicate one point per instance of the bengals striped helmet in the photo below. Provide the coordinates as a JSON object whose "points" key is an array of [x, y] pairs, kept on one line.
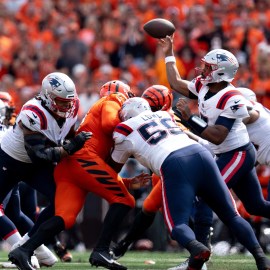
{"points": [[115, 87], [159, 97]]}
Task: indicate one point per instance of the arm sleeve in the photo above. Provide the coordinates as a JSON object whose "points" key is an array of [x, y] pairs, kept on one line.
{"points": [[35, 145]]}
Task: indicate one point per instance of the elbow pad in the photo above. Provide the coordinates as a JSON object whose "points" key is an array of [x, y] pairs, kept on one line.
{"points": [[35, 145]]}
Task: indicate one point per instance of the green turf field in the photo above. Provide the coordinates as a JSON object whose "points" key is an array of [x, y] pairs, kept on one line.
{"points": [[163, 260]]}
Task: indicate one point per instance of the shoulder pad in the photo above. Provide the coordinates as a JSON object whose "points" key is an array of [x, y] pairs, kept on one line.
{"points": [[33, 118], [236, 107], [228, 97], [121, 132]]}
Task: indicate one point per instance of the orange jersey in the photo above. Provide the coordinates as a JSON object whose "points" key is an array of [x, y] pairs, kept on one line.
{"points": [[101, 120], [87, 170]]}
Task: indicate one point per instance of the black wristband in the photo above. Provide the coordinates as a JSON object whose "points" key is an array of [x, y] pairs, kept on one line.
{"points": [[196, 123]]}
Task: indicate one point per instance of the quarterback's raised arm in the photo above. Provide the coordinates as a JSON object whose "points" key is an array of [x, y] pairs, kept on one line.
{"points": [[173, 76]]}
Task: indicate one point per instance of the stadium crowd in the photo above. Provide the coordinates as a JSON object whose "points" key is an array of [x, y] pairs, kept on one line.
{"points": [[95, 41]]}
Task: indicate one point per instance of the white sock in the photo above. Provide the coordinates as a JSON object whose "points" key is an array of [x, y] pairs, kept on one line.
{"points": [[13, 238]]}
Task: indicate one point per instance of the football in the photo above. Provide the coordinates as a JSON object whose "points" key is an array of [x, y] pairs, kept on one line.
{"points": [[159, 28]]}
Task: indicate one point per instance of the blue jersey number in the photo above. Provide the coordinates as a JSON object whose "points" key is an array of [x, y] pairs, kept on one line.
{"points": [[155, 131]]}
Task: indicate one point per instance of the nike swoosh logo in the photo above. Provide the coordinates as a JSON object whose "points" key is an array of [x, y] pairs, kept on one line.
{"points": [[236, 101], [109, 261]]}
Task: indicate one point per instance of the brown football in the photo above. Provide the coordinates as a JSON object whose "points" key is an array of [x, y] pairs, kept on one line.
{"points": [[159, 28]]}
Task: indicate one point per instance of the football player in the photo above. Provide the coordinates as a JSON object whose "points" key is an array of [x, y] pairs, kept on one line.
{"points": [[159, 97], [222, 108], [31, 148], [89, 170], [167, 151]]}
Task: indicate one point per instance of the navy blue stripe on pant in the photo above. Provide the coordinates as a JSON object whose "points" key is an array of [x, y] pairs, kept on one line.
{"points": [[189, 172]]}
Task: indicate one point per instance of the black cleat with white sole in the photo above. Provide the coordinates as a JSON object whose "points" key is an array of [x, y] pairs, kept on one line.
{"points": [[21, 258], [105, 259]]}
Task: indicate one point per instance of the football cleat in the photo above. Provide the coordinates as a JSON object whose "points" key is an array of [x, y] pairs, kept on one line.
{"points": [[263, 263], [21, 258], [105, 259], [34, 262], [184, 266], [120, 249], [62, 252], [197, 260]]}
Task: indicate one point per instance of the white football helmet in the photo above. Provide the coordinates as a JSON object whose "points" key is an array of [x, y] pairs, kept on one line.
{"points": [[3, 109], [247, 93], [58, 94], [133, 107], [224, 66]]}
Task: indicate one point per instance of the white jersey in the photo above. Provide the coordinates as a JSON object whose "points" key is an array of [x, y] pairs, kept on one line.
{"points": [[150, 138], [36, 118], [228, 103], [259, 134]]}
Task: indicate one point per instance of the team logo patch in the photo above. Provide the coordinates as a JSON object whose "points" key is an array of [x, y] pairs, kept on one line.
{"points": [[235, 108], [31, 121], [54, 83]]}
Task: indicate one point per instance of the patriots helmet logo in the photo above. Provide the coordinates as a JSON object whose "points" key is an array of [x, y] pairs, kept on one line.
{"points": [[224, 58], [54, 83]]}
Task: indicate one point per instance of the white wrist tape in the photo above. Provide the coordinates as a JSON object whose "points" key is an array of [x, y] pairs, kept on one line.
{"points": [[169, 59]]}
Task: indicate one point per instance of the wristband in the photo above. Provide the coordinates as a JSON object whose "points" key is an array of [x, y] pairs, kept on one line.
{"points": [[170, 59], [197, 123]]}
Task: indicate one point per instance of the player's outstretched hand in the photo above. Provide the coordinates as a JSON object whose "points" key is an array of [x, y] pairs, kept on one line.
{"points": [[140, 181], [77, 142], [167, 45]]}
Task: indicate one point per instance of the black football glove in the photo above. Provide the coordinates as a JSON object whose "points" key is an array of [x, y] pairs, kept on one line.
{"points": [[77, 142]]}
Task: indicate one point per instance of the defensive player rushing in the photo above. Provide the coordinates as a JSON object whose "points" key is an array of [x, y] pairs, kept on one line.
{"points": [[30, 150], [88, 171], [155, 140], [160, 97], [222, 108]]}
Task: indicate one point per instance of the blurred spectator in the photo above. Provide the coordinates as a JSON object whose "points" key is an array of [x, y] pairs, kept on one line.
{"points": [[73, 51]]}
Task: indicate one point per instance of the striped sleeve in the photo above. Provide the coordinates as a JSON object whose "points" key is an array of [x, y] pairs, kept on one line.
{"points": [[223, 100], [121, 132], [34, 118]]}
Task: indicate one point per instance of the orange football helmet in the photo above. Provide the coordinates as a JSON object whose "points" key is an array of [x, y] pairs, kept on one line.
{"points": [[115, 86], [159, 97]]}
